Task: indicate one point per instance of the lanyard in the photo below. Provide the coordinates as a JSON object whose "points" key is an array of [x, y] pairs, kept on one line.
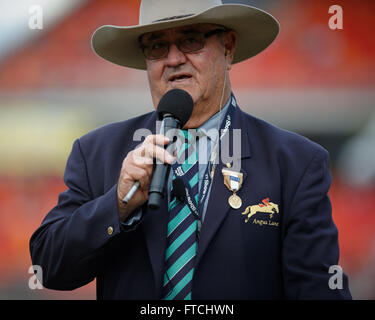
{"points": [[210, 169], [195, 207]]}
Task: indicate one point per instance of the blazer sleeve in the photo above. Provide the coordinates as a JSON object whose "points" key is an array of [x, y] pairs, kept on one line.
{"points": [[310, 245], [73, 237]]}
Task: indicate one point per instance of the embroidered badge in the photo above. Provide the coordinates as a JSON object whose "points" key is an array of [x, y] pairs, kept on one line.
{"points": [[266, 207]]}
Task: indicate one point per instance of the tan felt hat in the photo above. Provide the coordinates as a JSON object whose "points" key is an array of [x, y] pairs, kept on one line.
{"points": [[255, 28]]}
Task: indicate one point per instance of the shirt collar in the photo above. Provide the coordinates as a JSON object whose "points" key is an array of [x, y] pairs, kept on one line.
{"points": [[211, 123]]}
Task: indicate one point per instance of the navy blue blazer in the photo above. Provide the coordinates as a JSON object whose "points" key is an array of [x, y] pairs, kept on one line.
{"points": [[284, 255]]}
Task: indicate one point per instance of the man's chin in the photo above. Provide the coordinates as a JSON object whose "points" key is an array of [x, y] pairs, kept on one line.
{"points": [[183, 85]]}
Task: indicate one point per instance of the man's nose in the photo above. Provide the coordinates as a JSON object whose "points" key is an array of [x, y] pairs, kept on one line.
{"points": [[175, 56]]}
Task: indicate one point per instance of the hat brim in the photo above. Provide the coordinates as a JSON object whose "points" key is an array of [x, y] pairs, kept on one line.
{"points": [[255, 28]]}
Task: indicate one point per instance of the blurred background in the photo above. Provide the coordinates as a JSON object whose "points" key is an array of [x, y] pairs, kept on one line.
{"points": [[312, 80]]}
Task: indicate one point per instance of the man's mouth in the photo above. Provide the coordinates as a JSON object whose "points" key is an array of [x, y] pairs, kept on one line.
{"points": [[180, 77]]}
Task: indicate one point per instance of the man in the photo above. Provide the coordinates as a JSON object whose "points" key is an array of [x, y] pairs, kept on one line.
{"points": [[263, 228]]}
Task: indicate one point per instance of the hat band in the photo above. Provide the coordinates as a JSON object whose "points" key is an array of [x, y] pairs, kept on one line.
{"points": [[173, 18]]}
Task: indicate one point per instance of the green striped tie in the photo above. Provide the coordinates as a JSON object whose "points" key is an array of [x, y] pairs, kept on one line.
{"points": [[182, 231]]}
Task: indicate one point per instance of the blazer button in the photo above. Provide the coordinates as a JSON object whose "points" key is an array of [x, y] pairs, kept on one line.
{"points": [[110, 230]]}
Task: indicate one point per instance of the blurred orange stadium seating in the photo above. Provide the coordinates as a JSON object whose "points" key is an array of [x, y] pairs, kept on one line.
{"points": [[306, 53]]}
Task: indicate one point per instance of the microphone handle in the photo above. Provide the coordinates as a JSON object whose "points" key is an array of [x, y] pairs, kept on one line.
{"points": [[161, 171]]}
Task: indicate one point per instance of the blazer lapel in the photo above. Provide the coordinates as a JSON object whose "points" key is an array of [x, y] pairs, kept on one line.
{"points": [[218, 206]]}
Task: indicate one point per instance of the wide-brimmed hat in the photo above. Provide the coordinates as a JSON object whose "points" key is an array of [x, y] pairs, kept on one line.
{"points": [[255, 28]]}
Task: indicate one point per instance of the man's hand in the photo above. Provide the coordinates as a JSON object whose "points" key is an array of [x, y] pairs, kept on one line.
{"points": [[138, 166]]}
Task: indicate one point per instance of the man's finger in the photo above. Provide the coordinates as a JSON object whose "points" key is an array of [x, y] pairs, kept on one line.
{"points": [[157, 139], [155, 152]]}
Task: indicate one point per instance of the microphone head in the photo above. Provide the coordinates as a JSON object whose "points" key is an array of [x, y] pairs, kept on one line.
{"points": [[177, 102]]}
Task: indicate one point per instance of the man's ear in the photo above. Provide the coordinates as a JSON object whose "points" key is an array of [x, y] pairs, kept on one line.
{"points": [[230, 41]]}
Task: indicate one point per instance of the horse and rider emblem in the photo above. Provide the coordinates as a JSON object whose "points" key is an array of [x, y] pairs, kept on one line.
{"points": [[266, 207]]}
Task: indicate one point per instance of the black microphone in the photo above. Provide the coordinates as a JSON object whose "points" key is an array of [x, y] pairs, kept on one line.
{"points": [[175, 109]]}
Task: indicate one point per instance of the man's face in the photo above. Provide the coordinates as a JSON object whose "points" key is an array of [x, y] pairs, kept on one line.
{"points": [[201, 73]]}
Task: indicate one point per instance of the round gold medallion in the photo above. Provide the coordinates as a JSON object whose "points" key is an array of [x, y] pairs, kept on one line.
{"points": [[235, 201]]}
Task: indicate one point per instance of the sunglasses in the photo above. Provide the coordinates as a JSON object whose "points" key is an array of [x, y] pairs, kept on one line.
{"points": [[191, 42]]}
